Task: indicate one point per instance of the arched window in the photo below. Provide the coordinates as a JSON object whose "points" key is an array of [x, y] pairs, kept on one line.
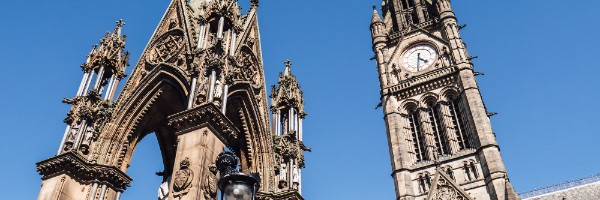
{"points": [[417, 135], [474, 170], [424, 182], [459, 124], [441, 142], [467, 168]]}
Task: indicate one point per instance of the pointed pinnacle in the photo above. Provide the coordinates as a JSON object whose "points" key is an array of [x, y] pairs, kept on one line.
{"points": [[119, 27], [288, 66]]}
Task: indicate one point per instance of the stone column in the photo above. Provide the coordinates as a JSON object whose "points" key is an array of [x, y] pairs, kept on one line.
{"points": [[192, 95], [88, 83], [202, 134], [64, 139], [93, 191], [99, 78], [114, 89], [211, 88], [83, 83], [221, 27], [225, 94], [420, 11], [201, 36]]}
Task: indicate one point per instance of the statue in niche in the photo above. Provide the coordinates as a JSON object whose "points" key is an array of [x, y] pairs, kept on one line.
{"points": [[218, 90], [395, 74], [210, 183], [202, 90], [71, 138], [283, 176], [296, 177], [87, 140]]}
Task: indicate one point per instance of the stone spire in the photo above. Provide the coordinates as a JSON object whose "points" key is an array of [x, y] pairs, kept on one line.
{"points": [[287, 105], [376, 18], [92, 106]]}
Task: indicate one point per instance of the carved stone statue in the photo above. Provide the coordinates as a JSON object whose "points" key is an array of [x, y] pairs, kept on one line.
{"points": [[202, 90], [210, 184], [296, 177], [283, 176], [218, 89]]}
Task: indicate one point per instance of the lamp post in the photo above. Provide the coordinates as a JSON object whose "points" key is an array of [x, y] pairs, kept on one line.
{"points": [[235, 185]]}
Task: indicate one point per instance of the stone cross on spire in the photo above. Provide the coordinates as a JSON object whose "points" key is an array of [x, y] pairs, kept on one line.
{"points": [[288, 67]]}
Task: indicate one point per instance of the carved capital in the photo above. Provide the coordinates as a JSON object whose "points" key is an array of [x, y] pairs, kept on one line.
{"points": [[78, 168], [204, 115]]}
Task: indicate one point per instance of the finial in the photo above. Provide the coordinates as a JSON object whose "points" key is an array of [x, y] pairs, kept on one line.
{"points": [[254, 3], [374, 7], [288, 66], [120, 23]]}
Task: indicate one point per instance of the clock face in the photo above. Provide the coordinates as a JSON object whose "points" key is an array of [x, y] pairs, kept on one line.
{"points": [[419, 57]]}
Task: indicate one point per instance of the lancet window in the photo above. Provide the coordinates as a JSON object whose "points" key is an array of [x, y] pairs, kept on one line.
{"points": [[470, 170], [441, 142], [459, 124], [417, 135], [424, 182]]}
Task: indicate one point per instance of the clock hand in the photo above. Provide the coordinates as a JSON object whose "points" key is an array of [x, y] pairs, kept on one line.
{"points": [[426, 61], [418, 60]]}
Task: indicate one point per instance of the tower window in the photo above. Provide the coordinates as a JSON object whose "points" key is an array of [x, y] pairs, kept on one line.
{"points": [[417, 135], [458, 123], [474, 170], [424, 182], [468, 174], [441, 142]]}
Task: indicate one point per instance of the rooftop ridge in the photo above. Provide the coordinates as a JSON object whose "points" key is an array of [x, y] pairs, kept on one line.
{"points": [[561, 186]]}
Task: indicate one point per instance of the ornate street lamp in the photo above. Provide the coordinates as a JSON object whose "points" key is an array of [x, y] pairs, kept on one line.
{"points": [[235, 185]]}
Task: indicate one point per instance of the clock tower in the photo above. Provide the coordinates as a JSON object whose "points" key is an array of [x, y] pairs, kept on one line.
{"points": [[442, 145]]}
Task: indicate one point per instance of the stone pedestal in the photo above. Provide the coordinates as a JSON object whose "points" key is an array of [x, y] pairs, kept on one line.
{"points": [[203, 133]]}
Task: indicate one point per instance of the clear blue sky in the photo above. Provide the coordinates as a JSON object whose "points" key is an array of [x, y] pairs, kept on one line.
{"points": [[540, 60]]}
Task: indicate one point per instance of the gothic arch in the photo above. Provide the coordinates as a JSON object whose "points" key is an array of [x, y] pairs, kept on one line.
{"points": [[428, 97], [145, 111], [244, 111], [449, 93], [409, 105]]}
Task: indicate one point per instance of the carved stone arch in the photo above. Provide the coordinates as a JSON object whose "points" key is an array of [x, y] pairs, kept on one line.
{"points": [[245, 114], [409, 106], [146, 110], [449, 93], [428, 99]]}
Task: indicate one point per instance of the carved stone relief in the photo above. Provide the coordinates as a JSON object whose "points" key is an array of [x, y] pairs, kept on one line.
{"points": [[182, 179], [210, 183], [167, 49]]}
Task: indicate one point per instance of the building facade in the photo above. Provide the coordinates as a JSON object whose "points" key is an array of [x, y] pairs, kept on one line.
{"points": [[441, 142], [199, 86]]}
